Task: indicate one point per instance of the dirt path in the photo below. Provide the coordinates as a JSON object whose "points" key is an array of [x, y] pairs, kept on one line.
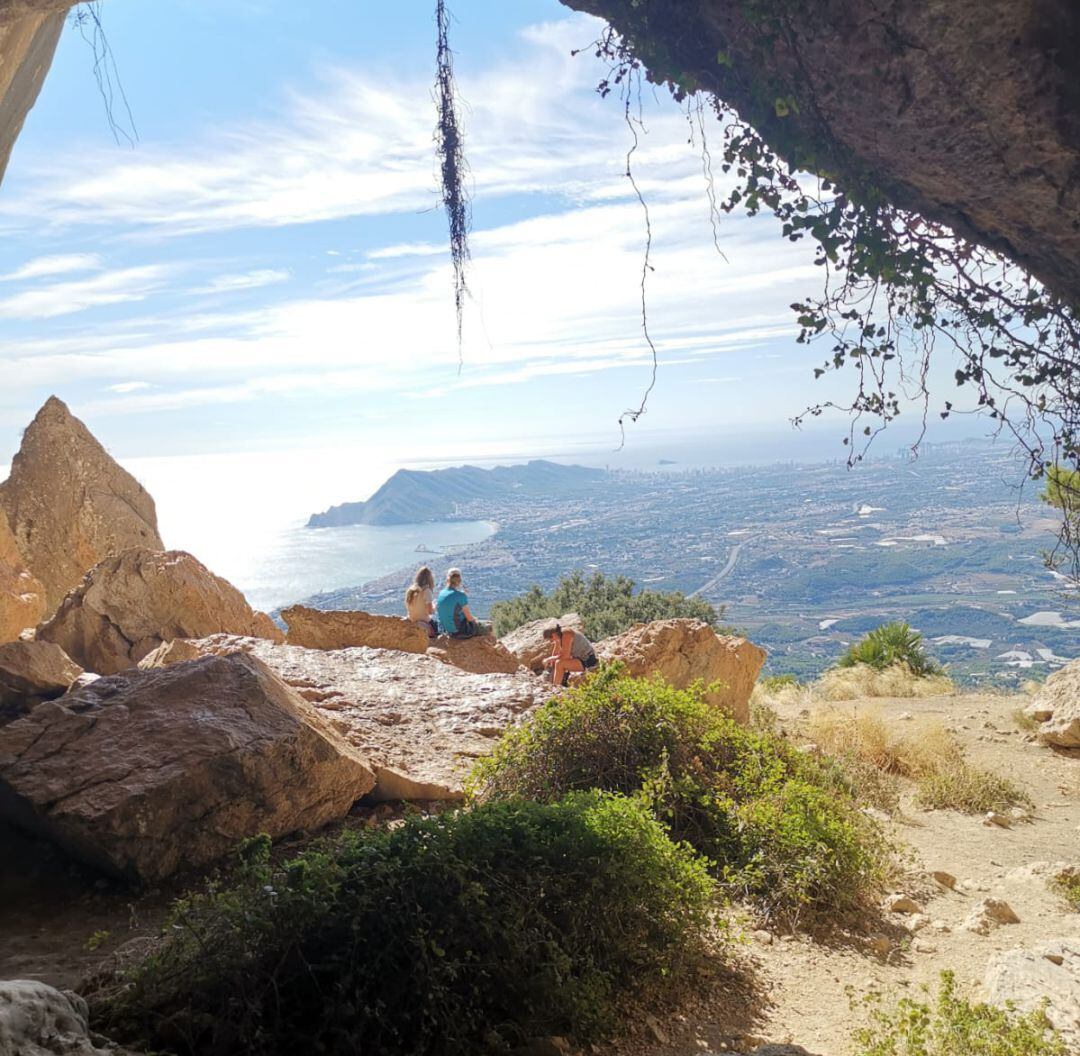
{"points": [[803, 992]]}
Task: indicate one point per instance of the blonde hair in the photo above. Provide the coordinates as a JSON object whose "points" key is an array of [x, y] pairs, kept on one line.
{"points": [[423, 580], [453, 577]]}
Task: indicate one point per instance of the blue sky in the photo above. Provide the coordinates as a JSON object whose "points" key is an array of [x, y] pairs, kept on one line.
{"points": [[267, 268]]}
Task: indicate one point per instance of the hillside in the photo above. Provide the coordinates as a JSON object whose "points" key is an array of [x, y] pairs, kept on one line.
{"points": [[415, 496]]}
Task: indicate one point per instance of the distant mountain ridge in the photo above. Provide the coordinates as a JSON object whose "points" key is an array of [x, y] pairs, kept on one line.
{"points": [[414, 496]]}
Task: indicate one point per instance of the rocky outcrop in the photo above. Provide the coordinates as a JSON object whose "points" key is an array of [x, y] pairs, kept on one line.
{"points": [[482, 655], [31, 672], [419, 722], [528, 644], [69, 504], [687, 651], [131, 603], [38, 1020], [338, 629], [1048, 972], [1057, 707], [174, 652], [29, 32], [966, 112], [22, 597], [146, 771]]}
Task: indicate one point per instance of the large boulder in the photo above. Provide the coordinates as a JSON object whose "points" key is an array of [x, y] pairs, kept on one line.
{"points": [[482, 655], [687, 651], [530, 646], [22, 597], [1057, 705], [143, 772], [1048, 972], [340, 629], [31, 672], [69, 504], [420, 723], [132, 602], [38, 1020]]}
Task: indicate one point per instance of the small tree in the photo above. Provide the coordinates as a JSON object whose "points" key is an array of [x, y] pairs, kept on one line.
{"points": [[606, 605]]}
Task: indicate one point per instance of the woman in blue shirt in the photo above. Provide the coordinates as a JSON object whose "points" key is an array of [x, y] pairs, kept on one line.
{"points": [[452, 605]]}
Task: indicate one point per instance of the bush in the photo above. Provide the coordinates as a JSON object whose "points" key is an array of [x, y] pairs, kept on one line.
{"points": [[953, 1026], [871, 751], [1067, 884], [607, 606], [779, 826], [517, 918], [863, 681], [889, 645]]}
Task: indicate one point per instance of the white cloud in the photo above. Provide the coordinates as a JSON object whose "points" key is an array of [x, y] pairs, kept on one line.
{"points": [[125, 387], [248, 280], [59, 264], [66, 298]]}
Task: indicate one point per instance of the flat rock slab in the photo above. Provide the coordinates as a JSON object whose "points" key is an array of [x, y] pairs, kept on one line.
{"points": [[144, 772], [38, 1020], [348, 629], [419, 722], [1048, 972]]}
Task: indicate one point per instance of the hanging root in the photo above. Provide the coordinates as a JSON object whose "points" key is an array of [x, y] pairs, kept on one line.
{"points": [[87, 19], [453, 170]]}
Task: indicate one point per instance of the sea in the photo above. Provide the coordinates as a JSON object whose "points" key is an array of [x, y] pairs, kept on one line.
{"points": [[244, 516]]}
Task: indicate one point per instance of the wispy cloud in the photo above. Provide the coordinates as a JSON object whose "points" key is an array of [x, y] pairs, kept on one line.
{"points": [[124, 387], [66, 298], [248, 280], [60, 264]]}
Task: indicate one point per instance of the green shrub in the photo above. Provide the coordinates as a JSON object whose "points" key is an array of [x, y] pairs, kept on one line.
{"points": [[516, 918], [889, 644], [779, 826], [953, 1026], [1067, 884], [607, 606], [772, 683]]}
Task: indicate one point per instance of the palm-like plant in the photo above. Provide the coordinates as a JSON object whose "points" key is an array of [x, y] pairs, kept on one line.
{"points": [[891, 643]]}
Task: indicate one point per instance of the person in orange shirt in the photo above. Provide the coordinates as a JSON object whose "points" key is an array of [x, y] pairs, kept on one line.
{"points": [[572, 654]]}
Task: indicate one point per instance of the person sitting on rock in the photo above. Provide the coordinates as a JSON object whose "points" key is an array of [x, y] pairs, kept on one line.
{"points": [[572, 654], [452, 607], [419, 601]]}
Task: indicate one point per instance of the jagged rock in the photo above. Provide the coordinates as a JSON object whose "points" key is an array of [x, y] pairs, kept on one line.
{"points": [[172, 652], [528, 644], [419, 722], [146, 771], [38, 1020], [69, 504], [131, 603], [481, 655], [685, 651], [1048, 972], [335, 629], [31, 672], [988, 913], [22, 597], [1060, 697]]}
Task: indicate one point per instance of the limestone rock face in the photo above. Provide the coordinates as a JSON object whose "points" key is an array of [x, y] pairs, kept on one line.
{"points": [[527, 643], [31, 672], [1058, 703], [684, 651], [133, 602], [316, 629], [173, 652], [38, 1020], [481, 655], [69, 504], [995, 162], [22, 597], [1049, 971], [146, 771], [419, 722]]}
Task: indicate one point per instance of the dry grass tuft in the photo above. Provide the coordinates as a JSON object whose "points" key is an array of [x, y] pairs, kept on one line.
{"points": [[853, 683], [867, 747]]}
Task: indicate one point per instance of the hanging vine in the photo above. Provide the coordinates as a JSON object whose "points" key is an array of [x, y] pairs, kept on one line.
{"points": [[452, 167]]}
